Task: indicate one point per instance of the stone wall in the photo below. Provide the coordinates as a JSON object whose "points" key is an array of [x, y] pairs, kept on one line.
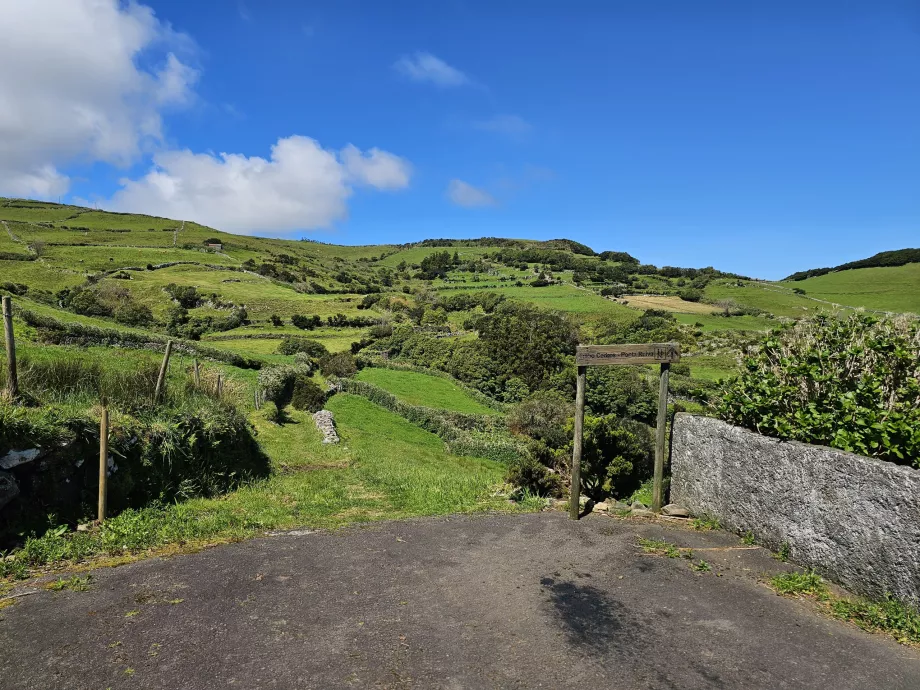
{"points": [[853, 519]]}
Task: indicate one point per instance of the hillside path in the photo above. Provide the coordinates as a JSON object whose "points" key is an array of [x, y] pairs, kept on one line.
{"points": [[489, 601]]}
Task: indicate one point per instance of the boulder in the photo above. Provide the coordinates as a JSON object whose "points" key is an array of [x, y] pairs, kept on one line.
{"points": [[674, 510], [9, 488]]}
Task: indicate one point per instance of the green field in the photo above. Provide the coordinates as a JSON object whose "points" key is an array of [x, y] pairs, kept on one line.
{"points": [[709, 323], [895, 288], [422, 389]]}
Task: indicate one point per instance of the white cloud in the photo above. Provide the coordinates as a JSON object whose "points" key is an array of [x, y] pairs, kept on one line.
{"points": [[509, 125], [72, 87], [302, 186], [465, 194], [425, 67], [376, 168]]}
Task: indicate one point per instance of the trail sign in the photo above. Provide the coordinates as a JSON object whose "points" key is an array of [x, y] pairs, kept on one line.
{"points": [[650, 353], [607, 355]]}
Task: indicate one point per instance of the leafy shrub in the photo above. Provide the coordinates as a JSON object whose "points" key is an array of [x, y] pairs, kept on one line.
{"points": [[307, 323], [617, 456], [543, 417], [294, 345], [133, 314], [307, 395], [186, 295], [277, 384], [532, 475], [690, 295], [341, 364], [852, 384]]}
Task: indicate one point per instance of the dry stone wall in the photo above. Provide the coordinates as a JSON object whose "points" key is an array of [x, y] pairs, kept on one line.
{"points": [[854, 519]]}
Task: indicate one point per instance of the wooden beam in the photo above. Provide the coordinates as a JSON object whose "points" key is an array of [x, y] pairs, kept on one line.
{"points": [[161, 379], [574, 504], [606, 355], [12, 378], [103, 462], [660, 445]]}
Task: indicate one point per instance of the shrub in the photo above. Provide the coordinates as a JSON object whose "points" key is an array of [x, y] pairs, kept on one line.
{"points": [[277, 383], [133, 314], [617, 456], [307, 395], [542, 417], [690, 295], [530, 474], [294, 345], [341, 364], [852, 384], [307, 323]]}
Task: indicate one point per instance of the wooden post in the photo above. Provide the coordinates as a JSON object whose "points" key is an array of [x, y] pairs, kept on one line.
{"points": [[574, 505], [161, 379], [196, 373], [220, 386], [103, 461], [12, 380], [660, 437]]}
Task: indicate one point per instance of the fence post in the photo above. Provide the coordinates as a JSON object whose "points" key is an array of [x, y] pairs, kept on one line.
{"points": [[220, 385], [196, 373], [12, 380], [574, 504], [660, 437], [161, 379], [103, 461]]}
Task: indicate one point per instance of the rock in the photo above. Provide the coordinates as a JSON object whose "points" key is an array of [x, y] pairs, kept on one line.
{"points": [[601, 507], [619, 505], [674, 510], [9, 488], [642, 512], [326, 424], [637, 505], [854, 519], [18, 457]]}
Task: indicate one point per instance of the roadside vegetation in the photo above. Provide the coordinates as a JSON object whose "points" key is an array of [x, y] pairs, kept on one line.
{"points": [[448, 366]]}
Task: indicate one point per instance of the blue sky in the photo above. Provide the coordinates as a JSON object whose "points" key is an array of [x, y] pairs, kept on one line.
{"points": [[758, 137]]}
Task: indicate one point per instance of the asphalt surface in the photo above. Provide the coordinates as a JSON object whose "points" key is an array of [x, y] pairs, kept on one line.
{"points": [[498, 601]]}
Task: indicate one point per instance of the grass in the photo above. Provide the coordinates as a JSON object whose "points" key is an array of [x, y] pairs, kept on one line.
{"points": [[385, 468], [421, 389], [710, 323], [894, 288], [887, 616], [565, 298]]}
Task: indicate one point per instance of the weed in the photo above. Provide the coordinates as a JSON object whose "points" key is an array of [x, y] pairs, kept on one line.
{"points": [[804, 583], [131, 614], [74, 584], [659, 547], [783, 553], [748, 538], [701, 566], [176, 601], [706, 522], [890, 616]]}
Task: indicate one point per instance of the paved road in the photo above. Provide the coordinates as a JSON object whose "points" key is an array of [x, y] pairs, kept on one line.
{"points": [[528, 601]]}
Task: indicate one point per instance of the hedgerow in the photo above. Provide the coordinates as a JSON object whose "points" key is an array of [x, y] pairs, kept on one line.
{"points": [[849, 383]]}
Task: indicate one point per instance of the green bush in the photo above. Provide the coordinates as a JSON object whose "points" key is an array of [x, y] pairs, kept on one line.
{"points": [[849, 383], [292, 345], [340, 364], [133, 314], [543, 417], [277, 384], [617, 456], [308, 395], [532, 475]]}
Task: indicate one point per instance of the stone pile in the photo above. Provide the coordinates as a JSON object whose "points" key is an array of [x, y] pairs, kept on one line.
{"points": [[326, 424]]}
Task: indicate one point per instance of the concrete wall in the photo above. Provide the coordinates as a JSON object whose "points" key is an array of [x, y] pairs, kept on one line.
{"points": [[853, 519]]}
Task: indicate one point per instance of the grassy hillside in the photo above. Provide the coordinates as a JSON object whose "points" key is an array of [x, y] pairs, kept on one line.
{"points": [[422, 389], [894, 288]]}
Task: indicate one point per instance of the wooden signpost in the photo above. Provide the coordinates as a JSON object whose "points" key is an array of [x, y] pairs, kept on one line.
{"points": [[12, 382], [608, 355]]}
